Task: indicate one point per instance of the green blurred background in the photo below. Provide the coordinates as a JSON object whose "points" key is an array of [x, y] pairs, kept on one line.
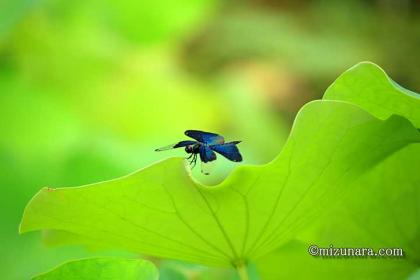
{"points": [[88, 89]]}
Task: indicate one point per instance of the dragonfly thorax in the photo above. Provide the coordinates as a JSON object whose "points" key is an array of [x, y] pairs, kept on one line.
{"points": [[193, 149]]}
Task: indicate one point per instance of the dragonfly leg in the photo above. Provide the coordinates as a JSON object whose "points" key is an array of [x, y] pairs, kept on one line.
{"points": [[194, 161]]}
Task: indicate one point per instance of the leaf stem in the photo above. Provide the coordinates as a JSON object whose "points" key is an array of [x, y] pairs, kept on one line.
{"points": [[242, 271]]}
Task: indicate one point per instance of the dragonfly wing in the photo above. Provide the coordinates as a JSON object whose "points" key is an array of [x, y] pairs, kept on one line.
{"points": [[176, 145], [205, 137], [208, 158], [206, 154], [228, 150]]}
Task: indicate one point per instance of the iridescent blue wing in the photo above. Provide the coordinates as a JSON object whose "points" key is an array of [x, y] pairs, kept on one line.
{"points": [[206, 154], [207, 157], [176, 145], [228, 150], [205, 137]]}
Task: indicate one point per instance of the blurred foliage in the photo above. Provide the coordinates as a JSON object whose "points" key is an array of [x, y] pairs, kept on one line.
{"points": [[88, 89], [103, 268]]}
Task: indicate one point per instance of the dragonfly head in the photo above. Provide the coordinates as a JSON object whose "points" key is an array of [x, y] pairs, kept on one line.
{"points": [[189, 149]]}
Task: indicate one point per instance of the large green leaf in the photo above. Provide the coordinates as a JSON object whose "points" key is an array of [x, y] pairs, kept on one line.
{"points": [[292, 261], [382, 211], [103, 268], [161, 211], [369, 87]]}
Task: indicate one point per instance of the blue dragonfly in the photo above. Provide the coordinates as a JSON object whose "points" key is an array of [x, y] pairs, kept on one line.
{"points": [[205, 145]]}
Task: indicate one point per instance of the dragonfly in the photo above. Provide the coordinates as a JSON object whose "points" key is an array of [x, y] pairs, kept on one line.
{"points": [[206, 145]]}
